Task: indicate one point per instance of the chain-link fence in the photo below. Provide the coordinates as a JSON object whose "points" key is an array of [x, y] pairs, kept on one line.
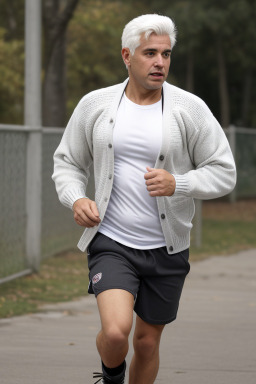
{"points": [[245, 155], [58, 230], [12, 202]]}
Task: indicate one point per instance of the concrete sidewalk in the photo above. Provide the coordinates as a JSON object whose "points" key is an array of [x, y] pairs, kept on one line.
{"points": [[213, 341]]}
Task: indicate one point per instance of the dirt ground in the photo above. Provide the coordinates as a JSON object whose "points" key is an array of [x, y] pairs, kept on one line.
{"points": [[244, 210]]}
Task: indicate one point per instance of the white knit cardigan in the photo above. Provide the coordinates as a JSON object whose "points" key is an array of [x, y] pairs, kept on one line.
{"points": [[194, 149]]}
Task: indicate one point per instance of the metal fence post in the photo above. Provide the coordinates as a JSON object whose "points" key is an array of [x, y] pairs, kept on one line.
{"points": [[33, 120], [232, 143]]}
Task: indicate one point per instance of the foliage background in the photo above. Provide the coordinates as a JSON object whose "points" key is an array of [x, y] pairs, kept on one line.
{"points": [[214, 57]]}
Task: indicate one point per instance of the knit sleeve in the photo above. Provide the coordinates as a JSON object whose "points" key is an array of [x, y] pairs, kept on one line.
{"points": [[214, 173], [72, 160]]}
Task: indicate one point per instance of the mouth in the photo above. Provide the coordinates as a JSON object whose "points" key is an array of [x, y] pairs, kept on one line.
{"points": [[157, 75]]}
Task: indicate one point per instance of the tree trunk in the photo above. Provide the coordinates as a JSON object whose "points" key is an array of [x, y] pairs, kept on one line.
{"points": [[12, 23], [54, 85], [223, 87]]}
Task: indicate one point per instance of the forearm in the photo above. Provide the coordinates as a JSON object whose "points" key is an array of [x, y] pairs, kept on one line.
{"points": [[214, 173], [206, 183], [72, 160]]}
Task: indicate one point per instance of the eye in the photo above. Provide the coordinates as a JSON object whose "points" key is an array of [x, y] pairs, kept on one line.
{"points": [[166, 54], [149, 53]]}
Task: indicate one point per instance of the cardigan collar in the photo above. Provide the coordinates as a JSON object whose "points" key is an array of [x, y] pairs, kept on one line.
{"points": [[167, 102]]}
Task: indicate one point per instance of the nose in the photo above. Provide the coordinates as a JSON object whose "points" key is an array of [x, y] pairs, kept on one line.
{"points": [[159, 61]]}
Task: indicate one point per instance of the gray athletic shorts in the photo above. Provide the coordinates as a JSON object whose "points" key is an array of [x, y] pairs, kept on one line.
{"points": [[154, 277]]}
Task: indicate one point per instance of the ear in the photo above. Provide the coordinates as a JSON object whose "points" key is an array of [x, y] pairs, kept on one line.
{"points": [[126, 55]]}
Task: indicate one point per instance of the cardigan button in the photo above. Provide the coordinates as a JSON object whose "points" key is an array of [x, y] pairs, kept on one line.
{"points": [[111, 121], [171, 248], [110, 176], [110, 145], [106, 199], [161, 157], [162, 216]]}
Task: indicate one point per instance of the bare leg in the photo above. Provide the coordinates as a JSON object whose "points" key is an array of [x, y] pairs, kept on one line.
{"points": [[116, 313], [145, 363]]}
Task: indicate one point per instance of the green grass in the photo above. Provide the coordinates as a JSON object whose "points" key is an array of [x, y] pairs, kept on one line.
{"points": [[223, 237], [226, 228], [61, 278]]}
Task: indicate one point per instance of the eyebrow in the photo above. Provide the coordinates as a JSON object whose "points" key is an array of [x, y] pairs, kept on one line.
{"points": [[156, 50]]}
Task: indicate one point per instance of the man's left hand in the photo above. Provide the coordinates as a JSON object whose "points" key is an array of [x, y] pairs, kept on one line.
{"points": [[159, 182]]}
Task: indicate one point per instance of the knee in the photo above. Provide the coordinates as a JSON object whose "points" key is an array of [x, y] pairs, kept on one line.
{"points": [[146, 346], [116, 337]]}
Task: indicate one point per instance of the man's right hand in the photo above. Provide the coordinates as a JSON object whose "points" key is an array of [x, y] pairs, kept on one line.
{"points": [[86, 213]]}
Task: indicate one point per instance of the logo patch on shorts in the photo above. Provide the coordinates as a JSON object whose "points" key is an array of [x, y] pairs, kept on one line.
{"points": [[96, 278]]}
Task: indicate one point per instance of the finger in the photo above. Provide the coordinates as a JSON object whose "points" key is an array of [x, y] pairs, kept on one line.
{"points": [[151, 182], [152, 187], [157, 193], [156, 187], [79, 222], [95, 209], [153, 194], [87, 214], [157, 180], [85, 223], [150, 174], [90, 223], [84, 215]]}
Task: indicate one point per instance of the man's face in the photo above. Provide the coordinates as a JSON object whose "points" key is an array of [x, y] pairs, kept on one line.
{"points": [[149, 66]]}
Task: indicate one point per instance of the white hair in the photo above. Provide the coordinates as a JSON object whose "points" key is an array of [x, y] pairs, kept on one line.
{"points": [[147, 24]]}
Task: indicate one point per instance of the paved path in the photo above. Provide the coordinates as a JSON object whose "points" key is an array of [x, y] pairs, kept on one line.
{"points": [[213, 341]]}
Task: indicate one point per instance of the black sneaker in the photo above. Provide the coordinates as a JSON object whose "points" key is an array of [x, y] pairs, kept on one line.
{"points": [[104, 378]]}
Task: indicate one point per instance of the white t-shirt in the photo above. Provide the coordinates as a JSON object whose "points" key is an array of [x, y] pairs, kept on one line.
{"points": [[132, 215]]}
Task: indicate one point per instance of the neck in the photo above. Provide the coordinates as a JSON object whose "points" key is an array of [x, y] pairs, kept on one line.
{"points": [[143, 96]]}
